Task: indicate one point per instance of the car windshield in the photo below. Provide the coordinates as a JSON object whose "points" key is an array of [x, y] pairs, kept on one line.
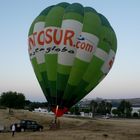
{"points": [[28, 122], [33, 122], [22, 121]]}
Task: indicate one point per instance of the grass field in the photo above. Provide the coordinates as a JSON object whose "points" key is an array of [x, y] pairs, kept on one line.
{"points": [[72, 128]]}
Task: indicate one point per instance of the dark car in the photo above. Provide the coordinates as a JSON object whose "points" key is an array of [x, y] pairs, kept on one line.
{"points": [[28, 125]]}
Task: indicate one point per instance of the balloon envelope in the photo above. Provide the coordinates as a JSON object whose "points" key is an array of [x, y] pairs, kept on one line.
{"points": [[71, 48]]}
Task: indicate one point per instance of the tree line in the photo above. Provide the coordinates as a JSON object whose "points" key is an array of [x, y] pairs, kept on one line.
{"points": [[15, 100], [124, 109], [18, 101]]}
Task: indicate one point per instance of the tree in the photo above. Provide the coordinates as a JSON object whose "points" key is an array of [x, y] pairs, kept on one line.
{"points": [[139, 112], [115, 112], [27, 102], [104, 108], [101, 108], [93, 106], [135, 115], [125, 108], [108, 107], [72, 110], [75, 110], [12, 100]]}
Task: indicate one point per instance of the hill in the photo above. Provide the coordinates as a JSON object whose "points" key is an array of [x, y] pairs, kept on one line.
{"points": [[115, 102], [134, 101]]}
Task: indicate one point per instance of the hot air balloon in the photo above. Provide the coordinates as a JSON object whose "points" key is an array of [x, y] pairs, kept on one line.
{"points": [[71, 48]]}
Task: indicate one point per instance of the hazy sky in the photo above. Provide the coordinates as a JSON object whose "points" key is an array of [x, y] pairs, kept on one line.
{"points": [[16, 72]]}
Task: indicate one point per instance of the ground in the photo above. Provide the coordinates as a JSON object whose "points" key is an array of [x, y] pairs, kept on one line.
{"points": [[72, 128]]}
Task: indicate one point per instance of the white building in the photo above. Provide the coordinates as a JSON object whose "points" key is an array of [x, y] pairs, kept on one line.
{"points": [[42, 110]]}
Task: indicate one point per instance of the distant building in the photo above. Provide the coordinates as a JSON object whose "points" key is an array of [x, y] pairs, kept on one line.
{"points": [[83, 114], [135, 109], [41, 110], [84, 104]]}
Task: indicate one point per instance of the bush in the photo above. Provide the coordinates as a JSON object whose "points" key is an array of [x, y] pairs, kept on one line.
{"points": [[135, 114], [2, 107], [12, 100]]}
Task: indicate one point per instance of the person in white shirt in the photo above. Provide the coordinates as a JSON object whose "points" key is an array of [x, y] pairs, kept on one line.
{"points": [[13, 129]]}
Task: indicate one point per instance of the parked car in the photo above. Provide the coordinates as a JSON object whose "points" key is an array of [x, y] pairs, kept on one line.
{"points": [[25, 125], [106, 117]]}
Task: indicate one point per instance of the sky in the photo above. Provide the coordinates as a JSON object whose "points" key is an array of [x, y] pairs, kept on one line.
{"points": [[16, 72]]}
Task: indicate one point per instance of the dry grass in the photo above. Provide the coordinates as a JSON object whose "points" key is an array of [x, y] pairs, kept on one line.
{"points": [[72, 128]]}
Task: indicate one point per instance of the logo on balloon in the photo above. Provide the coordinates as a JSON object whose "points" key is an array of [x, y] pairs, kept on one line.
{"points": [[52, 38]]}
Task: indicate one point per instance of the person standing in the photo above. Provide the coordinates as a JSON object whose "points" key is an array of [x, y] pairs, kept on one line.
{"points": [[13, 129]]}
